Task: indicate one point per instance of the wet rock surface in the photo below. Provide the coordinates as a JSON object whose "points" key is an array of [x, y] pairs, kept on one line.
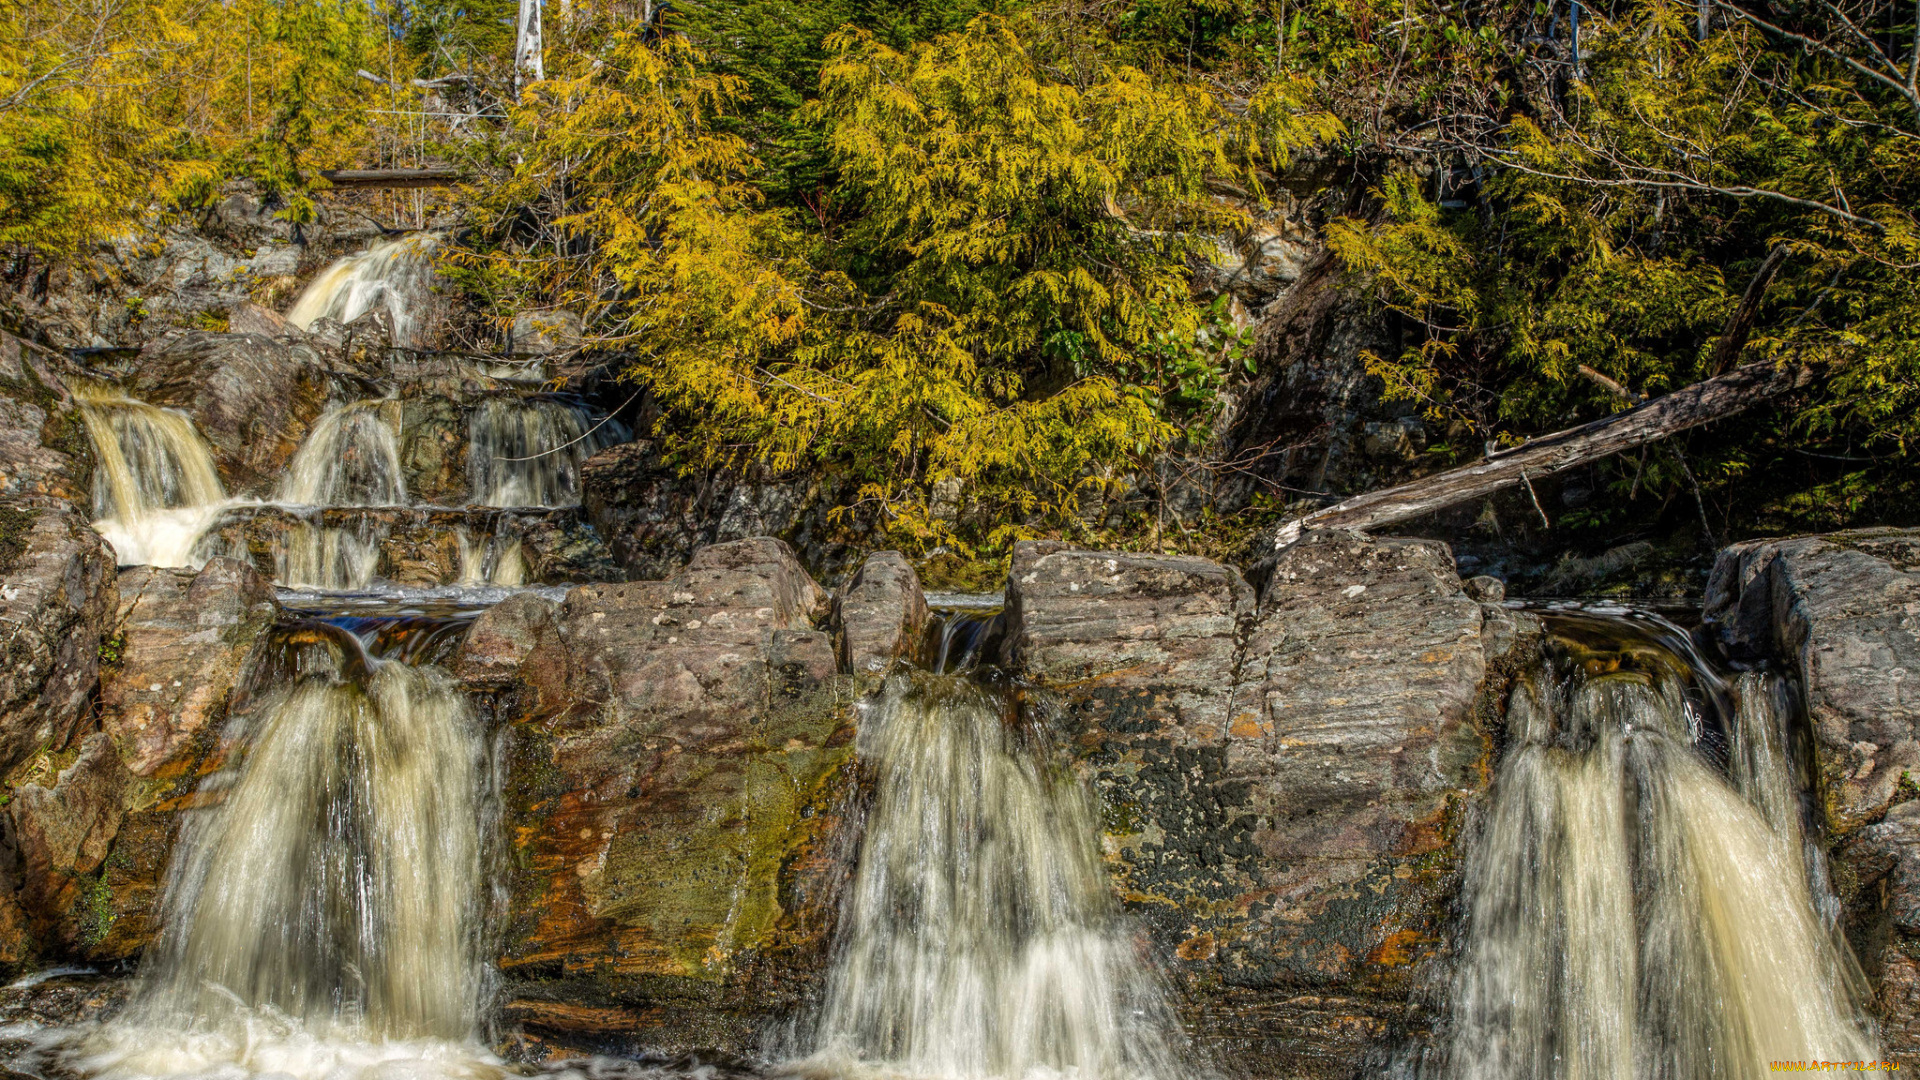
{"points": [[253, 398], [674, 801], [1279, 778]]}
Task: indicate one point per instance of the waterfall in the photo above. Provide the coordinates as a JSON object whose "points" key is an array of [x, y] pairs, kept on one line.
{"points": [[981, 936], [392, 274], [154, 485], [322, 557], [350, 458], [1631, 914], [529, 452], [322, 914], [490, 560]]}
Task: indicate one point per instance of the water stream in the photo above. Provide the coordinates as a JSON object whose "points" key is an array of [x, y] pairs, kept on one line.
{"points": [[392, 274], [325, 908], [350, 458], [981, 936], [528, 451], [155, 488], [1634, 912]]}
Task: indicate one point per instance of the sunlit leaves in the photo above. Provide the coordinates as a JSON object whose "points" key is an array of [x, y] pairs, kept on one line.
{"points": [[109, 110], [1001, 300]]}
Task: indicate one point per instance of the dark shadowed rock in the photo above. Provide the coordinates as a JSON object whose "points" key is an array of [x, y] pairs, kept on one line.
{"points": [[654, 518], [1279, 780], [674, 816], [882, 613], [1883, 861]]}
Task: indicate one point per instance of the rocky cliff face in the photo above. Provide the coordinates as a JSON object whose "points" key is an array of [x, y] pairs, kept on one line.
{"points": [[56, 574], [1843, 612], [1282, 778], [94, 814], [185, 271], [677, 769]]}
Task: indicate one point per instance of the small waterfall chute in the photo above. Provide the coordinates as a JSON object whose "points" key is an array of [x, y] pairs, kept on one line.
{"points": [[350, 458], [528, 451], [155, 488], [314, 556], [1632, 913], [490, 559], [981, 936], [324, 911], [392, 274]]}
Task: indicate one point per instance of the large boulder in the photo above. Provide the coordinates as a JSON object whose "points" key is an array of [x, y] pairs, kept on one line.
{"points": [[182, 642], [252, 397], [673, 804], [1843, 612], [1280, 778], [881, 614]]}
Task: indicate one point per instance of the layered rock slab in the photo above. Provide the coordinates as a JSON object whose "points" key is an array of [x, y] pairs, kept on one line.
{"points": [[1279, 777], [92, 821], [1843, 612], [679, 755]]}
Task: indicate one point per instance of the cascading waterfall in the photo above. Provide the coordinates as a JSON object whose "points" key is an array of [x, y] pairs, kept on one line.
{"points": [[350, 458], [981, 936], [528, 452], [1632, 914], [490, 560], [323, 557], [155, 489], [323, 912], [392, 274]]}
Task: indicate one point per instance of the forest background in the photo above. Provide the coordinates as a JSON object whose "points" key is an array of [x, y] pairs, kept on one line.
{"points": [[945, 250]]}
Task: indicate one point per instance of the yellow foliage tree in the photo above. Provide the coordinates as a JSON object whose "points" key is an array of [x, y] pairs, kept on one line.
{"points": [[107, 110], [999, 298]]}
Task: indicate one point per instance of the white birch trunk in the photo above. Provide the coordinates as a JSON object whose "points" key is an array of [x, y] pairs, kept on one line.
{"points": [[527, 66]]}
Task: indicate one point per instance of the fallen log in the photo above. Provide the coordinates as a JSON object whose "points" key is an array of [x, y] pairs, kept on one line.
{"points": [[1713, 399], [392, 178]]}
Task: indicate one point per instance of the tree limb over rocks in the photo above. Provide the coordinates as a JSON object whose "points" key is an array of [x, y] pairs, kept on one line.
{"points": [[1703, 402]]}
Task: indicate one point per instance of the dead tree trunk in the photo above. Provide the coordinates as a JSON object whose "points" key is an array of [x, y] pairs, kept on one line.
{"points": [[1714, 399]]}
